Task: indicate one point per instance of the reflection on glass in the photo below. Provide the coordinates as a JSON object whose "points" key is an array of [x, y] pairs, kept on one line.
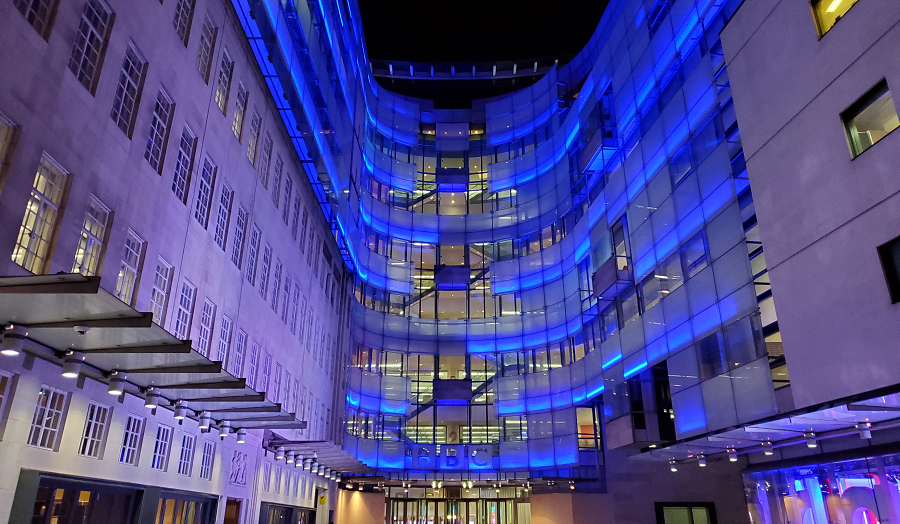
{"points": [[871, 118], [828, 12]]}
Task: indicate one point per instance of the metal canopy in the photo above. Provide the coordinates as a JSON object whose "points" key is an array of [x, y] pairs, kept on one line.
{"points": [[327, 453], [55, 309], [876, 411]]}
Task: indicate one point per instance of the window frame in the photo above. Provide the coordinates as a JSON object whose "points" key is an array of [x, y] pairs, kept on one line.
{"points": [[855, 109], [90, 83], [129, 436], [120, 99], [47, 23], [162, 448], [890, 264], [125, 267], [43, 429], [93, 436]]}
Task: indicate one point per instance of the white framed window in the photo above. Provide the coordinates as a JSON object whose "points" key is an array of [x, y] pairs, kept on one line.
{"points": [[240, 112], [278, 471], [295, 402], [302, 323], [129, 268], [252, 364], [276, 383], [186, 459], [185, 310], [39, 223], [267, 475], [38, 13], [265, 372], [184, 14], [206, 459], [207, 323], [252, 254], [131, 441], [253, 145], [90, 243], [223, 82], [46, 424], [159, 130], [264, 271], [240, 349], [224, 341], [224, 216], [312, 245], [184, 163], [265, 158], [285, 299], [317, 245], [93, 436], [295, 304], [90, 43], [204, 193], [276, 286], [159, 295], [295, 220], [303, 225], [240, 231], [286, 206], [162, 447], [276, 179], [128, 91], [286, 398], [207, 45]]}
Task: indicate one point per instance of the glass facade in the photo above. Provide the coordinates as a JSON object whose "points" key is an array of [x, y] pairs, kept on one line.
{"points": [[859, 491], [589, 238]]}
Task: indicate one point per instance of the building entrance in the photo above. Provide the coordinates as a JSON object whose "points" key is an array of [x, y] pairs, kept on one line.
{"points": [[458, 511]]}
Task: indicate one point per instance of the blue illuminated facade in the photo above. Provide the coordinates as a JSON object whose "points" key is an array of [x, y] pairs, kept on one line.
{"points": [[578, 254]]}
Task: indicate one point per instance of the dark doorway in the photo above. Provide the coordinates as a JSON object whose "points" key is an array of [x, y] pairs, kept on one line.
{"points": [[232, 511]]}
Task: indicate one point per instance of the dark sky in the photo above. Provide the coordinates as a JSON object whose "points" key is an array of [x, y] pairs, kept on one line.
{"points": [[485, 30]]}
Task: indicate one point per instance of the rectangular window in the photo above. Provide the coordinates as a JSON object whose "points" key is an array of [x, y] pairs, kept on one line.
{"points": [[286, 207], [295, 304], [276, 383], [296, 400], [223, 82], [295, 220], [265, 158], [276, 181], [38, 13], [39, 223], [317, 246], [252, 364], [90, 243], [207, 323], [184, 13], [276, 286], [128, 92], [205, 52], [693, 255], [159, 130], [695, 513], [48, 417], [285, 299], [162, 447], [159, 296], [184, 164], [240, 111], [129, 267], [223, 217], [286, 399], [186, 459], [90, 43], [204, 193], [240, 349], [264, 271], [206, 461], [264, 374], [303, 224], [890, 262], [131, 441], [185, 310], [312, 246], [94, 433], [224, 341], [240, 230], [828, 12], [252, 254], [870, 118], [253, 145]]}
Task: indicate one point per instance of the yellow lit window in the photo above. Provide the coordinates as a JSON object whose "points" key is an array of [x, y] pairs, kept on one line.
{"points": [[828, 12]]}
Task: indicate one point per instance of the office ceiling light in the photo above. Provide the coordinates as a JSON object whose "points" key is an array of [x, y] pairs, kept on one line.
{"points": [[289, 457], [279, 453], [865, 430], [205, 420], [241, 436], [768, 449], [72, 365], [811, 440], [224, 428], [13, 340], [673, 467], [701, 461], [180, 410], [732, 455], [117, 384], [151, 400]]}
